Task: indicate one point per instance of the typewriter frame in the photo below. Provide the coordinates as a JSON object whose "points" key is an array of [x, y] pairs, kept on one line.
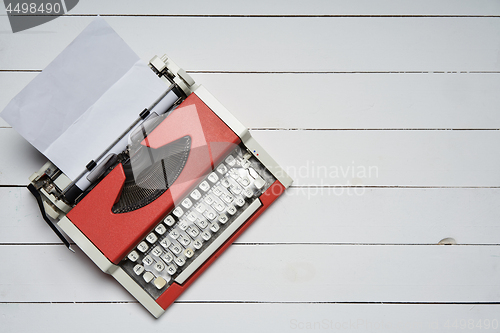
{"points": [[50, 184]]}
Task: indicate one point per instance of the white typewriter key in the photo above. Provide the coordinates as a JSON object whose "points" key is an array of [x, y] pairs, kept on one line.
{"points": [[234, 174], [205, 235], [223, 218], [171, 269], [218, 206], [138, 269], [143, 246], [225, 182], [179, 261], [188, 253], [167, 257], [213, 177], [187, 203], [183, 225], [191, 217], [214, 227], [210, 215], [160, 229], [204, 186], [222, 169], [248, 193], [200, 208], [197, 244], [195, 194], [231, 210], [147, 260], [253, 173], [133, 256], [169, 220], [159, 266], [165, 242], [176, 249], [202, 224], [227, 198], [209, 199], [259, 183], [184, 240], [245, 164], [230, 160], [157, 251], [239, 201], [152, 238], [217, 190], [236, 189], [148, 276], [178, 211], [174, 233], [193, 231], [159, 282], [243, 181]]}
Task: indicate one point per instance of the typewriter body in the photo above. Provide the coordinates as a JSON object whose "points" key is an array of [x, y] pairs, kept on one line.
{"points": [[168, 196]]}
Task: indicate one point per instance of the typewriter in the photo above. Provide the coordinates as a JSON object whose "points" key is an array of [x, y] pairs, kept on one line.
{"points": [[168, 196]]}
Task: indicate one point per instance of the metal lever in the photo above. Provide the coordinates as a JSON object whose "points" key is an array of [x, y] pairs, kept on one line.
{"points": [[38, 198]]}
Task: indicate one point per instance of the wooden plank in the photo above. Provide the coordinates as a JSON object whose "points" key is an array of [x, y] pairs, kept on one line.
{"points": [[276, 273], [243, 317], [342, 101], [374, 216], [260, 7], [316, 7], [361, 158], [360, 101], [19, 159], [279, 43], [21, 219], [386, 158]]}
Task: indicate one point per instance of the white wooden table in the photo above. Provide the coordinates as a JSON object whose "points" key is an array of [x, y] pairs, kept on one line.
{"points": [[386, 114]]}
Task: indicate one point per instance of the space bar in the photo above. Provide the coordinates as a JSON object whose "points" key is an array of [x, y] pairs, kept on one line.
{"points": [[193, 266]]}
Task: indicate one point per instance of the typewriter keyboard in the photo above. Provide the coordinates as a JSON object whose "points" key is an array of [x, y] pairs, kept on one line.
{"points": [[199, 224]]}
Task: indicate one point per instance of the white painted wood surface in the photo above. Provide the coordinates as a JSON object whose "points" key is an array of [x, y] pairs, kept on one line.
{"points": [[327, 88], [276, 44], [267, 317], [354, 101], [389, 216], [315, 7], [333, 158], [278, 273]]}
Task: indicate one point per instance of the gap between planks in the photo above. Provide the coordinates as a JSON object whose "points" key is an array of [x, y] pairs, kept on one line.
{"points": [[276, 15], [257, 302], [292, 243], [293, 72], [349, 186]]}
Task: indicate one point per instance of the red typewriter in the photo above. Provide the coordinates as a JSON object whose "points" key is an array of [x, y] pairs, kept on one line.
{"points": [[168, 196]]}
